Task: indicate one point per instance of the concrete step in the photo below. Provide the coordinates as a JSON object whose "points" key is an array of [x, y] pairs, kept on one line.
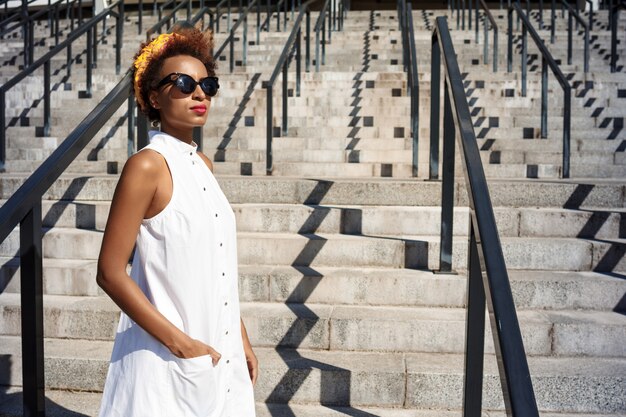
{"points": [[350, 328], [414, 380], [571, 194]]}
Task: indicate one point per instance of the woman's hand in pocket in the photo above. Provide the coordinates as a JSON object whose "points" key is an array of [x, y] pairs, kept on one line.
{"points": [[193, 348]]}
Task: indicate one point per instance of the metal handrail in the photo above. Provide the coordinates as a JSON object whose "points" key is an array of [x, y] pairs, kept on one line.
{"points": [[230, 40], [614, 19], [494, 26], [320, 25], [88, 28], [24, 207], [546, 61], [283, 64], [488, 281], [266, 22], [405, 11], [573, 14], [158, 26], [26, 23]]}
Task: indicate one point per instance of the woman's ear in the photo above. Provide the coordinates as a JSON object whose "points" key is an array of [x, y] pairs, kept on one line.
{"points": [[154, 102]]}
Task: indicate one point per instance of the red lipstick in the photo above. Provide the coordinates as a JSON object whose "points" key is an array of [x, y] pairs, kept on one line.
{"points": [[199, 109]]}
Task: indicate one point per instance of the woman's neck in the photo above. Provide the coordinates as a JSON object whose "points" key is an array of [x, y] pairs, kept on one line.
{"points": [[184, 135]]}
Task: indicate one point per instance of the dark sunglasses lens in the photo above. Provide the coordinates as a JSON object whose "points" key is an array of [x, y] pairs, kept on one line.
{"points": [[185, 84], [209, 86]]}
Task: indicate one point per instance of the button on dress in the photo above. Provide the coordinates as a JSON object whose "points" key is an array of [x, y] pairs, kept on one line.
{"points": [[185, 262]]}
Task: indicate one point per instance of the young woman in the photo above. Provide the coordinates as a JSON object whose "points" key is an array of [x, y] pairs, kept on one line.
{"points": [[181, 349]]}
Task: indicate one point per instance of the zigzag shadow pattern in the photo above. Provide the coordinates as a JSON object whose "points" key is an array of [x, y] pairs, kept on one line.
{"points": [[334, 381]]}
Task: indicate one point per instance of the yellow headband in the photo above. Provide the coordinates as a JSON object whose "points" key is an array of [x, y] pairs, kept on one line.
{"points": [[148, 53]]}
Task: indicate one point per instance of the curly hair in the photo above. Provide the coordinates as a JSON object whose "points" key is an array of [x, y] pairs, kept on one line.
{"points": [[183, 39]]}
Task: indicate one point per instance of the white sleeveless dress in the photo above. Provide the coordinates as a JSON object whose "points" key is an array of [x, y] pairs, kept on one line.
{"points": [[185, 262]]}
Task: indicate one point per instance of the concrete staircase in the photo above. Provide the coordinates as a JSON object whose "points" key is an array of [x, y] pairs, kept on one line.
{"points": [[337, 248]]}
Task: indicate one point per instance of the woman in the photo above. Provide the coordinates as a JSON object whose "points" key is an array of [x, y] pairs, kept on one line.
{"points": [[181, 348]]}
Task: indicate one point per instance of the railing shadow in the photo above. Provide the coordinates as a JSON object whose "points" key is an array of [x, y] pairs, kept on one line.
{"points": [[11, 402], [335, 381]]}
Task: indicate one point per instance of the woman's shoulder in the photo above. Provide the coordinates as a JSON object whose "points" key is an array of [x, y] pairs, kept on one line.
{"points": [[147, 162]]}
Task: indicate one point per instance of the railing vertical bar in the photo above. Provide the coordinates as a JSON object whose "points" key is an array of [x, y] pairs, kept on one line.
{"points": [[258, 22], [613, 18], [567, 116], [285, 96], [269, 133], [118, 39], [89, 52], [307, 59], [46, 99], [486, 42], [3, 143], [130, 117], [553, 22], [569, 37], [509, 56], [474, 331], [228, 17], [31, 298], [435, 88], [447, 184], [231, 51], [245, 40], [142, 130], [31, 42], [524, 60], [140, 18], [414, 94], [544, 97], [298, 63]]}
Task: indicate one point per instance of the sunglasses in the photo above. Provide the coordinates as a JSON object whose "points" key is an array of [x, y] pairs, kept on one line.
{"points": [[187, 85]]}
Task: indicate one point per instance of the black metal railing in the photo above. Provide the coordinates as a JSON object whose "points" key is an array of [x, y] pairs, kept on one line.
{"points": [[614, 19], [294, 41], [405, 18], [461, 7], [488, 23], [26, 24], [169, 19], [24, 208], [571, 15], [488, 283], [89, 29], [547, 61], [231, 39], [320, 40]]}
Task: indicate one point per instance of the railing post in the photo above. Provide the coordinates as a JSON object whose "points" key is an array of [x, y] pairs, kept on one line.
{"points": [[139, 20], [447, 185], [544, 97], [298, 59], [486, 42], [46, 98], [258, 22], [415, 95], [317, 51], [569, 37], [142, 130], [435, 88], [307, 58], [89, 52], [324, 42], [269, 15], [495, 49], [541, 14], [31, 298], [285, 94], [228, 17], [509, 57], [474, 332], [231, 41], [524, 59], [269, 132], [586, 51], [130, 117], [567, 116], [244, 60], [613, 18], [3, 143], [118, 40], [553, 22]]}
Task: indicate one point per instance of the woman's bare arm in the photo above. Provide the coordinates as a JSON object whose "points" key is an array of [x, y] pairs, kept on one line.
{"points": [[134, 198], [251, 360]]}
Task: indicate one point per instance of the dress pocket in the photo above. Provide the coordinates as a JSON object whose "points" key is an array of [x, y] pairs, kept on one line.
{"points": [[194, 385]]}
